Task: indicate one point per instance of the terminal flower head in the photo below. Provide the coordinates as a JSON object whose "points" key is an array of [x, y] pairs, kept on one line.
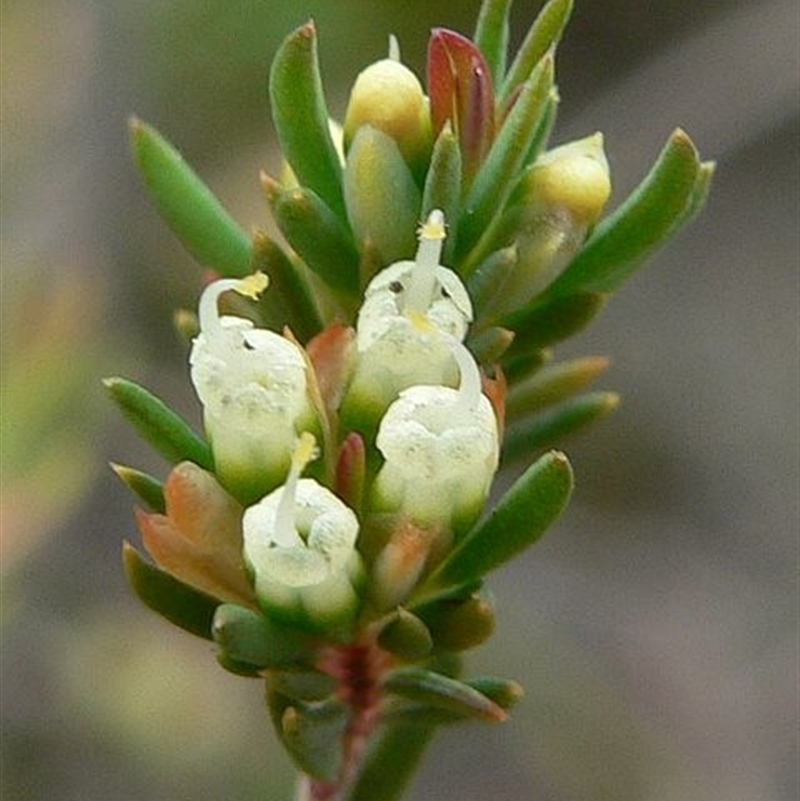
{"points": [[252, 384], [299, 543]]}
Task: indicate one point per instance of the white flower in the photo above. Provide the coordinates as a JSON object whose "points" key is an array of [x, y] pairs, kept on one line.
{"points": [[299, 543], [441, 451], [252, 384], [410, 310]]}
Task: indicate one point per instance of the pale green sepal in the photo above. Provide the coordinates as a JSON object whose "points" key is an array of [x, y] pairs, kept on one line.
{"points": [[301, 118], [382, 199], [553, 425], [158, 424], [543, 35], [651, 214], [189, 207], [518, 520], [491, 35]]}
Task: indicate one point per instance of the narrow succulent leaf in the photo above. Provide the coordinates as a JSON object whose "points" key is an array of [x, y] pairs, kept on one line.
{"points": [[518, 520], [248, 637], [434, 689], [315, 234], [544, 127], [311, 732], [300, 115], [487, 280], [382, 199], [461, 92], [506, 693], [391, 761], [489, 345], [543, 35], [653, 212], [542, 324], [552, 426], [406, 636], [443, 185], [496, 176], [188, 206], [491, 35], [700, 192], [184, 606], [238, 668], [520, 367], [288, 300], [553, 384], [173, 438], [144, 486], [457, 625]]}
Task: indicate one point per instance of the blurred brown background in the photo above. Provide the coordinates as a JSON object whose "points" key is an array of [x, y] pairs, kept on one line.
{"points": [[655, 629]]}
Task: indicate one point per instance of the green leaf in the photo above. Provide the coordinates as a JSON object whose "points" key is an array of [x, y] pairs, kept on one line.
{"points": [[545, 323], [406, 636], [518, 520], [491, 35], [443, 185], [144, 486], [503, 692], [553, 384], [504, 160], [391, 761], [486, 283], [652, 213], [443, 692], [158, 424], [316, 235], [544, 430], [182, 605], [489, 345], [311, 732], [459, 624], [382, 200], [543, 35], [288, 300], [190, 209], [248, 637], [301, 118]]}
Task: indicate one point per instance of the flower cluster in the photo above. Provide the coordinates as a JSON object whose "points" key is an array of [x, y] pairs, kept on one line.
{"points": [[361, 384]]}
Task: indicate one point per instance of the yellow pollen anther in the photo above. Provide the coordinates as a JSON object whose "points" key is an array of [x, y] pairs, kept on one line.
{"points": [[433, 227], [304, 452], [253, 285]]}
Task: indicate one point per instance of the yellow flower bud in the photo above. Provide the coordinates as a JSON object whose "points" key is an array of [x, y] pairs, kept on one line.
{"points": [[573, 177], [389, 97]]}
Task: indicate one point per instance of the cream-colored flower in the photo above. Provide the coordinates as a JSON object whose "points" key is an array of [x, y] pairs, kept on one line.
{"points": [[252, 384], [299, 543], [410, 311]]}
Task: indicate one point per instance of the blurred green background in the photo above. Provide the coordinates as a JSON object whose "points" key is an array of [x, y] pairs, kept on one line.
{"points": [[655, 629]]}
